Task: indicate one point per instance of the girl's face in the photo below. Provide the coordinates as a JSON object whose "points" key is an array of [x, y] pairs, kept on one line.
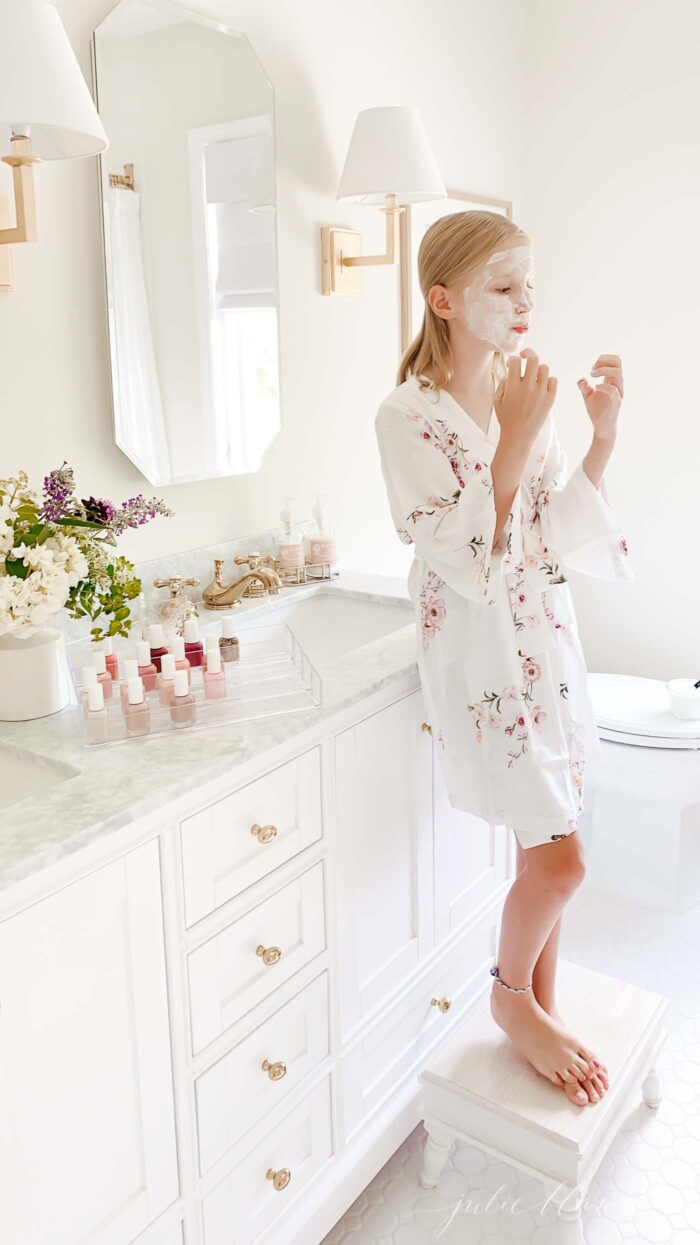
{"points": [[499, 297]]}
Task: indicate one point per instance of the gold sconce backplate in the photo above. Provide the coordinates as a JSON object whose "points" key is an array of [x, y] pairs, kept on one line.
{"points": [[5, 251], [335, 277]]}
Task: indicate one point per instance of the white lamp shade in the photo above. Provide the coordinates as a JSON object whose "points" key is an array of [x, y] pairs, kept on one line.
{"points": [[389, 153], [42, 86]]}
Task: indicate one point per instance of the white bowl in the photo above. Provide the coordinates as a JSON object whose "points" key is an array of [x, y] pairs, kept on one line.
{"points": [[683, 698]]}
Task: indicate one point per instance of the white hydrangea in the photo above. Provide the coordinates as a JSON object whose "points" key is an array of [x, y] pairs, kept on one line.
{"points": [[54, 568]]}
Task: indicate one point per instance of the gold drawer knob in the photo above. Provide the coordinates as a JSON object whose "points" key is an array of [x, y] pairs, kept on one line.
{"points": [[275, 1071], [264, 833], [270, 955], [443, 1004], [425, 726], [281, 1178]]}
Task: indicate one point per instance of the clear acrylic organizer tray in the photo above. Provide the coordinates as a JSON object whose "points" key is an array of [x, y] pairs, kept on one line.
{"points": [[272, 675]]}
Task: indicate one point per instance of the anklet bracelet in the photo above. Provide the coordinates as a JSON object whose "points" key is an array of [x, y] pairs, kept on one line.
{"points": [[516, 989]]}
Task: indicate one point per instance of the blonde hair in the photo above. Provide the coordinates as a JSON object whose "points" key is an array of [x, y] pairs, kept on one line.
{"points": [[452, 248]]}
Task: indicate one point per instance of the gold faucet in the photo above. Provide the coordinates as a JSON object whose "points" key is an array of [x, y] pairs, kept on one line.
{"points": [[261, 580]]}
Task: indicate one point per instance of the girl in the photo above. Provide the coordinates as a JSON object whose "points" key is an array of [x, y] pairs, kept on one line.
{"points": [[475, 477]]}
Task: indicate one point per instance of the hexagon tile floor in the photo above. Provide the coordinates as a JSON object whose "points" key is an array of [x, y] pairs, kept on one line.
{"points": [[648, 1187]]}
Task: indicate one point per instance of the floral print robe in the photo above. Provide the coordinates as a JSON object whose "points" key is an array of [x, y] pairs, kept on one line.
{"points": [[498, 651]]}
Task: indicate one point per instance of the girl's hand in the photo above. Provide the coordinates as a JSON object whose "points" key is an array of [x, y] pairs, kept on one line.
{"points": [[603, 404]]}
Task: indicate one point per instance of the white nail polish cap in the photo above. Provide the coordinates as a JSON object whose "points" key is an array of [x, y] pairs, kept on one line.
{"points": [[96, 697], [229, 633], [100, 664], [211, 640], [214, 661], [131, 668], [167, 666], [180, 683], [89, 675], [177, 647], [136, 690], [107, 644], [191, 630], [155, 635], [143, 652]]}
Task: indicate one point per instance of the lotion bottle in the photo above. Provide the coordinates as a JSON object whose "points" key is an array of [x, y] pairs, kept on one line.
{"points": [[290, 542], [320, 541]]}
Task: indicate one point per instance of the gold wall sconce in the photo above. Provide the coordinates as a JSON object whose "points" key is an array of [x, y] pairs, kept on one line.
{"points": [[46, 112], [389, 164]]}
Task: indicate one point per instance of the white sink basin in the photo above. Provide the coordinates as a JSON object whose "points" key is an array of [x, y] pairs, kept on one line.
{"points": [[24, 775], [328, 625]]}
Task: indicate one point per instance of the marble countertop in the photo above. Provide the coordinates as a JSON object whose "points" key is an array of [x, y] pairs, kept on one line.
{"points": [[110, 786]]}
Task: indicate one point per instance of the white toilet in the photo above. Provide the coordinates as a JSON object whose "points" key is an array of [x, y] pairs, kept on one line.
{"points": [[641, 826]]}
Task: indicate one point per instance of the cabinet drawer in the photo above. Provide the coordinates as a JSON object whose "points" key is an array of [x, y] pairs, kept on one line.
{"points": [[246, 1203], [382, 1060], [237, 1091], [228, 974], [222, 851]]}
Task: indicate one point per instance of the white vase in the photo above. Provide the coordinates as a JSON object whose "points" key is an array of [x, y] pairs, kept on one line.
{"points": [[34, 678]]}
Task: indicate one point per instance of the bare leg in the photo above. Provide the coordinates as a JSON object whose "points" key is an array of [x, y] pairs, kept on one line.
{"points": [[533, 904]]}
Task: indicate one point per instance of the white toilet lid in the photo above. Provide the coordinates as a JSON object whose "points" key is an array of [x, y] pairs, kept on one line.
{"points": [[627, 705]]}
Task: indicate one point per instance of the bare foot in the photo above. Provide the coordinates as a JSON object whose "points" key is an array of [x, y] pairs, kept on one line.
{"points": [[552, 1051], [595, 1086]]}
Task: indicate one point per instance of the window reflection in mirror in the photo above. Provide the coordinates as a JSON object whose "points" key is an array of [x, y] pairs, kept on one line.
{"points": [[189, 213]]}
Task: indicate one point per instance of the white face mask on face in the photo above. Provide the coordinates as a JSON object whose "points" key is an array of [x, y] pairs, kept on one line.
{"points": [[491, 314]]}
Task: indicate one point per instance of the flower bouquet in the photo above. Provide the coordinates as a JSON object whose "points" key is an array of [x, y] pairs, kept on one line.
{"points": [[58, 551]]}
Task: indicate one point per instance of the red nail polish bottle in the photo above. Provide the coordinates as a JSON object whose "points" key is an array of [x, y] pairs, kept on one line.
{"points": [[155, 639], [194, 649]]}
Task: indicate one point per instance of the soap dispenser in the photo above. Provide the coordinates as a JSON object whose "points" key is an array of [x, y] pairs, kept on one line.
{"points": [[320, 541], [289, 541]]}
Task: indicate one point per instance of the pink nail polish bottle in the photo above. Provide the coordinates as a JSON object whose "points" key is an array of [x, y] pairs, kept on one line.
{"points": [[103, 675], [96, 717], [111, 660], [89, 676], [214, 677], [137, 714], [182, 703], [131, 670], [155, 639], [194, 649], [177, 648], [147, 670], [166, 678], [210, 642]]}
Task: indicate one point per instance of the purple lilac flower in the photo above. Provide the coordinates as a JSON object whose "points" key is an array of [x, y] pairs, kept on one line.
{"points": [[58, 488], [137, 510]]}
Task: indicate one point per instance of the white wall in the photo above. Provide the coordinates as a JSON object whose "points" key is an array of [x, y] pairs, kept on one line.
{"points": [[611, 200], [582, 116]]}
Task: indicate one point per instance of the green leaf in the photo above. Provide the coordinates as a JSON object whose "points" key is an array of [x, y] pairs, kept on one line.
{"points": [[14, 566]]}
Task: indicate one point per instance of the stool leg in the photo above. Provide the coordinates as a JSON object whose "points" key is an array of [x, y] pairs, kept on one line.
{"points": [[436, 1152], [651, 1089]]}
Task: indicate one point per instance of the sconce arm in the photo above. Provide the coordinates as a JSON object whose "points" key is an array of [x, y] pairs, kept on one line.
{"points": [[22, 161], [393, 212]]}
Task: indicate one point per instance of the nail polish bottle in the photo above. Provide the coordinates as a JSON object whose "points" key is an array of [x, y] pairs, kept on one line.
{"points": [[214, 677], [211, 641], [131, 669], [137, 715], [147, 670], [111, 660], [103, 675], [194, 649], [166, 678], [182, 705], [177, 648], [96, 717], [229, 641], [89, 676], [155, 639]]}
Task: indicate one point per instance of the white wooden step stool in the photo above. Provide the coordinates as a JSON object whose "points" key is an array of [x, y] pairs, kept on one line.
{"points": [[480, 1089]]}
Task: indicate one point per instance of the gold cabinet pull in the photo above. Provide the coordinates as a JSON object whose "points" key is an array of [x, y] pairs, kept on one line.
{"points": [[270, 955], [264, 833], [275, 1071], [281, 1178], [443, 1004], [425, 726]]}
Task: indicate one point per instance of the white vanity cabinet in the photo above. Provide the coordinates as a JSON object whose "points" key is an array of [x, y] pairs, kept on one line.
{"points": [[325, 917], [87, 1128]]}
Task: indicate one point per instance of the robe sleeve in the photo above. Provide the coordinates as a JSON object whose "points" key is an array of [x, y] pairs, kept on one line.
{"points": [[441, 500], [577, 521]]}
